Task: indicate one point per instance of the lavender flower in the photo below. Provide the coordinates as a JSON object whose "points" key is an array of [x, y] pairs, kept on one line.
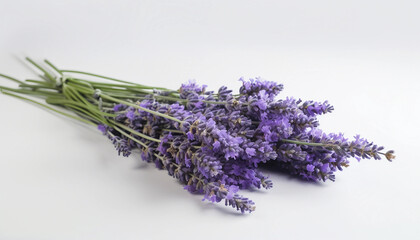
{"points": [[220, 145], [212, 142]]}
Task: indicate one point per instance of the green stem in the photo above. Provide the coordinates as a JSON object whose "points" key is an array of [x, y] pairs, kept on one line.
{"points": [[108, 90], [11, 78], [30, 92], [73, 92], [105, 105], [160, 157], [79, 82], [38, 82], [186, 100], [308, 143], [47, 74], [87, 107], [125, 96], [116, 85], [112, 79], [35, 86], [130, 137], [135, 132], [141, 108], [172, 130], [53, 67], [121, 90], [85, 113], [48, 107]]}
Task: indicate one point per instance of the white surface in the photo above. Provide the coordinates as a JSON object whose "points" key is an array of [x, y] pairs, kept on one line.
{"points": [[63, 180]]}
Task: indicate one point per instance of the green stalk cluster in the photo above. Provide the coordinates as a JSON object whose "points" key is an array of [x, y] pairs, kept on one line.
{"points": [[86, 98]]}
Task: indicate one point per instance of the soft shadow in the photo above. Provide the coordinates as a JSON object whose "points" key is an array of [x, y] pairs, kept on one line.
{"points": [[274, 168], [220, 207], [140, 164], [256, 190], [205, 206]]}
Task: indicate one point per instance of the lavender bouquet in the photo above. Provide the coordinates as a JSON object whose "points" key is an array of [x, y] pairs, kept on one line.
{"points": [[213, 142]]}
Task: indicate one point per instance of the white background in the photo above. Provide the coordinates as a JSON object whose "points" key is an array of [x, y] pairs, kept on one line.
{"points": [[62, 180]]}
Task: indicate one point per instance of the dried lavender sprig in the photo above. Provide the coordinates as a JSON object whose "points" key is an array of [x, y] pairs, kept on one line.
{"points": [[240, 124]]}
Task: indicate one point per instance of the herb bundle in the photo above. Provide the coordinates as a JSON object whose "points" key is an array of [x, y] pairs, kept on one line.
{"points": [[211, 141]]}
